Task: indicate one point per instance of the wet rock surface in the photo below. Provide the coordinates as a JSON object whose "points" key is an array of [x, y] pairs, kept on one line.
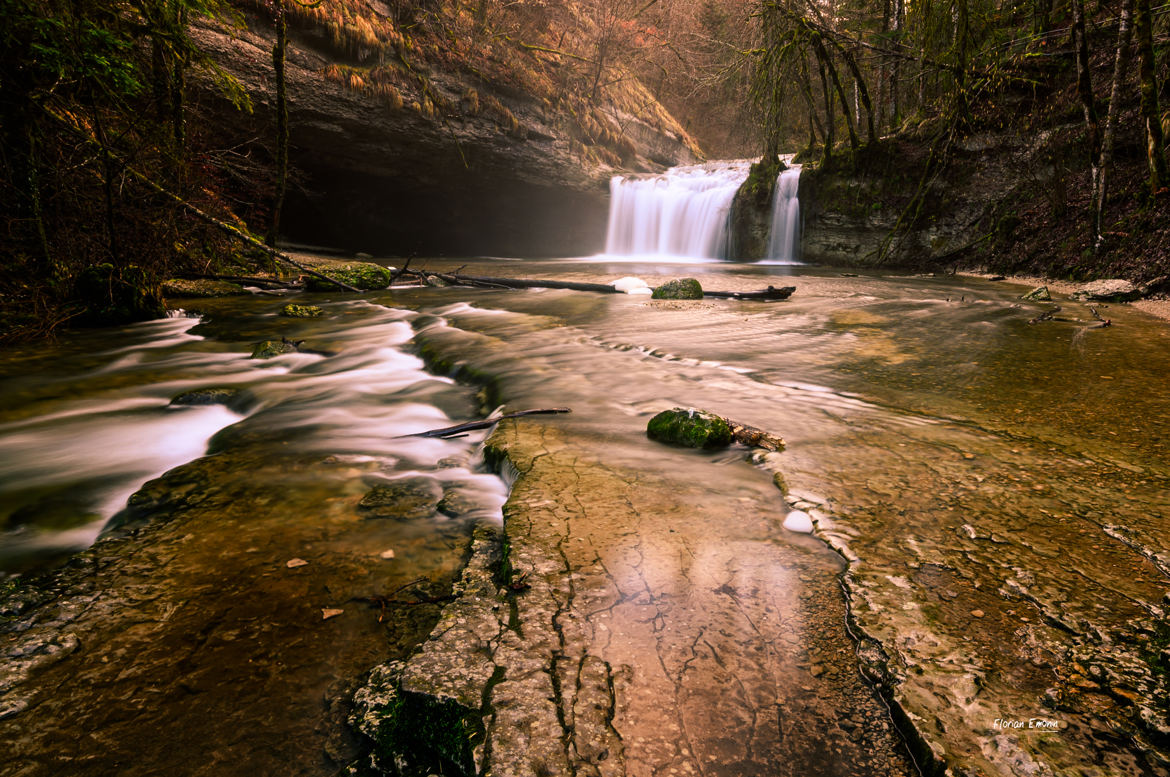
{"points": [[403, 499]]}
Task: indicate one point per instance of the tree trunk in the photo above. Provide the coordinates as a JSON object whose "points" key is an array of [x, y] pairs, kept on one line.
{"points": [[1088, 107], [278, 54], [1120, 65], [1155, 143], [830, 121]]}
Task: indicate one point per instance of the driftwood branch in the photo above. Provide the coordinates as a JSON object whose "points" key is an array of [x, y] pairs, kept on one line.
{"points": [[753, 437], [458, 429]]}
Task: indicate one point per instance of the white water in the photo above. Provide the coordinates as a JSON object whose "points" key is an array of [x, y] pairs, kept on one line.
{"points": [[784, 237], [683, 213]]}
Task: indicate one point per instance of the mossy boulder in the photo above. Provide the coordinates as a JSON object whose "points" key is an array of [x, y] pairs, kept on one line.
{"points": [[201, 287], [679, 288], [272, 348], [404, 499], [360, 275], [301, 311], [118, 295], [690, 428], [1038, 294]]}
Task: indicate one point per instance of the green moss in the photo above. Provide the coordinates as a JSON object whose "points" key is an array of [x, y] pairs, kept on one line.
{"points": [[301, 311], [360, 275], [689, 428], [679, 288], [421, 735]]}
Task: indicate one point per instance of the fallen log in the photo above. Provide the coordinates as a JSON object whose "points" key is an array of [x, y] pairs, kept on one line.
{"points": [[458, 429], [457, 279], [770, 293]]}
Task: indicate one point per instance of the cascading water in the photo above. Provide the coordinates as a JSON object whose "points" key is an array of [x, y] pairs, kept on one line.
{"points": [[683, 212], [784, 237]]}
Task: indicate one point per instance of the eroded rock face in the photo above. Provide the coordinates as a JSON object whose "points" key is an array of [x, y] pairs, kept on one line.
{"points": [[375, 176]]}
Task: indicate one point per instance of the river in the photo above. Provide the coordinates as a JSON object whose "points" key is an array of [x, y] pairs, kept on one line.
{"points": [[1000, 487]]}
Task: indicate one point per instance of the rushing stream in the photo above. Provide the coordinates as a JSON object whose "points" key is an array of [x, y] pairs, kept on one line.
{"points": [[1003, 487]]}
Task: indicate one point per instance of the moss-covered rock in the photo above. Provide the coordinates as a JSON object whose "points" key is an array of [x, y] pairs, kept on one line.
{"points": [[1038, 294], [404, 499], [679, 288], [271, 348], [689, 427], [202, 287], [301, 311], [360, 275], [118, 295]]}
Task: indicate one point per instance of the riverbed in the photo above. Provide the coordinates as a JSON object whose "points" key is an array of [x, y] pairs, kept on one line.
{"points": [[990, 498]]}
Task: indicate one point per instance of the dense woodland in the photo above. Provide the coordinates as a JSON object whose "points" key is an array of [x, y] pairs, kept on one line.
{"points": [[108, 159]]}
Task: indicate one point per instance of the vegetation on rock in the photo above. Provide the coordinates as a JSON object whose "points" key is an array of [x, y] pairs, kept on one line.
{"points": [[690, 428], [679, 288]]}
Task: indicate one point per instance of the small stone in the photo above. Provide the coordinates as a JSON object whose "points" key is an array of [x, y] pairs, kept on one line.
{"points": [[679, 288], [977, 613], [387, 554], [816, 670], [293, 563], [328, 613], [798, 521]]}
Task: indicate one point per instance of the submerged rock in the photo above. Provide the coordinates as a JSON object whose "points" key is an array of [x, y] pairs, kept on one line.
{"points": [[1038, 294], [405, 499], [200, 287], [689, 427], [1115, 290], [272, 348], [230, 396], [798, 521], [360, 275], [679, 288], [301, 311]]}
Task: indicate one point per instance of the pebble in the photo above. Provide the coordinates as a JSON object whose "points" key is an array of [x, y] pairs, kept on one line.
{"points": [[328, 613], [387, 554], [977, 613], [798, 521], [293, 563]]}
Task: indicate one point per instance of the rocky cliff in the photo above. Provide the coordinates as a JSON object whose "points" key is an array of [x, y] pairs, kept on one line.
{"points": [[401, 145]]}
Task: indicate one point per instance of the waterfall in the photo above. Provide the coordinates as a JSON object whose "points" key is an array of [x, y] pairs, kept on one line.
{"points": [[683, 212], [784, 236]]}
